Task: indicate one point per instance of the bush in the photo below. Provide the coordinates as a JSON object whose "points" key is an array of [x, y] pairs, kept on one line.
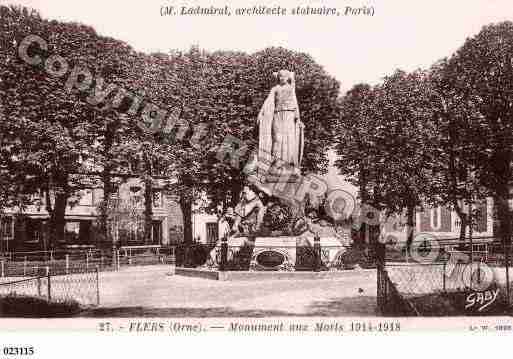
{"points": [[197, 254], [24, 306], [354, 256], [241, 259]]}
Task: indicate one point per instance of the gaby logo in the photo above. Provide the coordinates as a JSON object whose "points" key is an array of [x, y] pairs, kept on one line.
{"points": [[481, 300]]}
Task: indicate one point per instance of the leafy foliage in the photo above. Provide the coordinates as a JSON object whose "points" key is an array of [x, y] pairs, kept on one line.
{"points": [[440, 137]]}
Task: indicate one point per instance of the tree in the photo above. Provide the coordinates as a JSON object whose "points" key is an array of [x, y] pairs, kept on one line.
{"points": [[454, 183], [70, 142], [114, 67], [52, 131], [351, 147], [17, 181], [481, 72], [387, 143], [168, 83], [219, 94]]}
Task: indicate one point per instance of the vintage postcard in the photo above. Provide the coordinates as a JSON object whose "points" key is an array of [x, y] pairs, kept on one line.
{"points": [[244, 167]]}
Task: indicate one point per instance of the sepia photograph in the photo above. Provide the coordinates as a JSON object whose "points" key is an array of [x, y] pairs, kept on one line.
{"points": [[194, 167]]}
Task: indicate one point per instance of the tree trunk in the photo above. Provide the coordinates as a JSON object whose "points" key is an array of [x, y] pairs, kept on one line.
{"points": [[504, 214], [410, 224], [57, 219], [148, 209], [107, 192], [57, 213], [186, 207], [364, 197], [105, 236], [148, 196], [463, 224]]}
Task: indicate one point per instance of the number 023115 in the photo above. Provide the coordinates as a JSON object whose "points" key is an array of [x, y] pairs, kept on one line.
{"points": [[18, 351]]}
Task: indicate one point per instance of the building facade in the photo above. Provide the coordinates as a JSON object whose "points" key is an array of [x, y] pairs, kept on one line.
{"points": [[444, 223], [25, 230]]}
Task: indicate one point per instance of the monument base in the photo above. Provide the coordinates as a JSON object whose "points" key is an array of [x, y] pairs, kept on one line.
{"points": [[270, 275], [280, 253], [274, 254]]}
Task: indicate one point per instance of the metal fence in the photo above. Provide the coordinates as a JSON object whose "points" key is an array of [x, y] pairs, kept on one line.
{"points": [[83, 287], [24, 264], [422, 278], [389, 300], [145, 255], [458, 271], [487, 249]]}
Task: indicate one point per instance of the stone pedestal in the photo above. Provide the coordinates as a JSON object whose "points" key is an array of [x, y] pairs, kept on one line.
{"points": [[279, 253], [274, 253]]}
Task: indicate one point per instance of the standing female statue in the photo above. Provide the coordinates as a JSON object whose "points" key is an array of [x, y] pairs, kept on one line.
{"points": [[280, 128]]}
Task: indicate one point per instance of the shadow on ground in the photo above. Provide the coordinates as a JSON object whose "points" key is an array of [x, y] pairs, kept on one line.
{"points": [[352, 306]]}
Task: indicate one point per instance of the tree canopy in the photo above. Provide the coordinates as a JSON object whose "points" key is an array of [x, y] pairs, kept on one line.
{"points": [[82, 124], [441, 136]]}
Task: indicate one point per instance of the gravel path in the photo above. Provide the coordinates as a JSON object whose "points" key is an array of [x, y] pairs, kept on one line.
{"points": [[152, 292]]}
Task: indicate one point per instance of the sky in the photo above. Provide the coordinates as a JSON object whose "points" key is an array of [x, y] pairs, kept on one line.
{"points": [[405, 34]]}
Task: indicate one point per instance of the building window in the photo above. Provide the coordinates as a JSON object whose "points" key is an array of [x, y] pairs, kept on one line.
{"points": [[158, 200], [84, 234], [7, 228], [71, 232], [136, 197], [78, 232], [97, 196], [212, 232], [34, 230], [136, 232], [86, 197]]}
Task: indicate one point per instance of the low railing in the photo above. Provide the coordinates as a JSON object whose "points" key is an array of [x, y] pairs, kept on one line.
{"points": [[145, 255], [81, 287], [488, 249], [23, 264]]}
